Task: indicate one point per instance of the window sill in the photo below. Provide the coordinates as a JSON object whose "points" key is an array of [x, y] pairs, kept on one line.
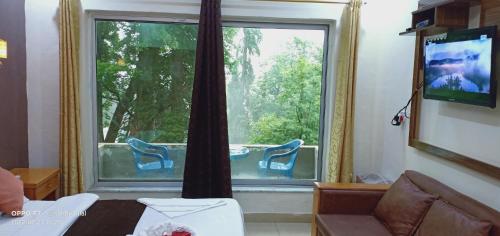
{"points": [[236, 189]]}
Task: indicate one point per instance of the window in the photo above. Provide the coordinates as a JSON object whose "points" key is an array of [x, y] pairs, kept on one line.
{"points": [[274, 77], [144, 79], [144, 74]]}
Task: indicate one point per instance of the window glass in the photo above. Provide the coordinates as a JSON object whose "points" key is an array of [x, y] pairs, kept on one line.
{"points": [[274, 82], [144, 78]]}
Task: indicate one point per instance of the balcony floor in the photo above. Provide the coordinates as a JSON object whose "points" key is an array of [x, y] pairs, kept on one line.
{"points": [[116, 163]]}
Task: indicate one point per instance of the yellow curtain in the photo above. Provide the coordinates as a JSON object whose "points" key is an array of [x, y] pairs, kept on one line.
{"points": [[69, 124], [340, 160]]}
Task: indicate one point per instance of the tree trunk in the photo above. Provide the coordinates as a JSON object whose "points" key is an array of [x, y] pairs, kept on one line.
{"points": [[121, 109], [100, 120]]}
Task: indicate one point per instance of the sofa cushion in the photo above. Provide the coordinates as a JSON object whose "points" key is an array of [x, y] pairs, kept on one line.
{"points": [[350, 225], [451, 196], [403, 206], [445, 219]]}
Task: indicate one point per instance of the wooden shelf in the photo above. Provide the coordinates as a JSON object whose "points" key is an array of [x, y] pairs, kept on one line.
{"points": [[450, 14], [430, 28], [467, 3]]}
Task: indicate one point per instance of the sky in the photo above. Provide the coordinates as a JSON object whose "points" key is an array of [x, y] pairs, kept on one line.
{"points": [[459, 50], [275, 42]]}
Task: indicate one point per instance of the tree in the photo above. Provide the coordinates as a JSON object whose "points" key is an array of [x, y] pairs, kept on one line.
{"points": [[112, 76], [241, 78], [144, 79], [145, 75], [287, 98]]}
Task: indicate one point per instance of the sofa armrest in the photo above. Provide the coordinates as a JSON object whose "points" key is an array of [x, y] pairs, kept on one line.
{"points": [[353, 199]]}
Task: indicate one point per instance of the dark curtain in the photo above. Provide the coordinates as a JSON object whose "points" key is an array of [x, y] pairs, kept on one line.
{"points": [[207, 173]]}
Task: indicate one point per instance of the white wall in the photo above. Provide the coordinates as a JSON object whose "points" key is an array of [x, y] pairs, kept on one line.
{"points": [[384, 84], [42, 49], [269, 200], [312, 13], [43, 56], [43, 81], [385, 64], [252, 200], [385, 70], [470, 130]]}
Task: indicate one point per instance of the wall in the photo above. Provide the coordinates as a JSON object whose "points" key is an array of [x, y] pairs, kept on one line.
{"points": [[265, 200], [384, 84], [385, 72], [452, 125], [232, 10], [42, 47], [43, 85], [13, 114], [43, 62], [385, 66], [251, 200]]}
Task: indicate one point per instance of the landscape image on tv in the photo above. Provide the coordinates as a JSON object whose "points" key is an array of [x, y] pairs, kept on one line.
{"points": [[459, 71]]}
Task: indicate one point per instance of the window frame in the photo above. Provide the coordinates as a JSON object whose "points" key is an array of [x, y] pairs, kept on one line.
{"points": [[243, 22]]}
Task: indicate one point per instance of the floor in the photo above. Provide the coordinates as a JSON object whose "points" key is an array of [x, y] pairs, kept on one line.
{"points": [[278, 229]]}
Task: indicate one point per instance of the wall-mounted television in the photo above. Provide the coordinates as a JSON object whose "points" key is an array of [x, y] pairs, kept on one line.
{"points": [[460, 67]]}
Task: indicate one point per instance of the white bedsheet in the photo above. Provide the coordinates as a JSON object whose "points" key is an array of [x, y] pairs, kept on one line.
{"points": [[223, 220], [176, 207], [48, 218]]}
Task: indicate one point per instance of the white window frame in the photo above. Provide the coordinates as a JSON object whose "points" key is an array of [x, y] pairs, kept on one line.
{"points": [[89, 142]]}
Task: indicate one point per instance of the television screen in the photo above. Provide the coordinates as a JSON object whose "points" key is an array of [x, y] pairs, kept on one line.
{"points": [[460, 67]]}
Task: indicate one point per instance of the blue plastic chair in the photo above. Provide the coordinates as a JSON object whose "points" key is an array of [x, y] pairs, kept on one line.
{"points": [[288, 150], [142, 149], [238, 152]]}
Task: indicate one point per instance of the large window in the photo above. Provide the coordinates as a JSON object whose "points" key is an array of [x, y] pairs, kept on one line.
{"points": [[144, 75], [274, 77], [144, 78]]}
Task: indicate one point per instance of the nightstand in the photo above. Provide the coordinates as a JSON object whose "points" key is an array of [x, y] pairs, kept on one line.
{"points": [[39, 183]]}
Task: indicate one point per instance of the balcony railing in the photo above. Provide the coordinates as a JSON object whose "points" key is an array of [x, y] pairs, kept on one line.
{"points": [[116, 163]]}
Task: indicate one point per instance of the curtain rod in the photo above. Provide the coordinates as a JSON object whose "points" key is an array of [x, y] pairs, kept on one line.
{"points": [[309, 1]]}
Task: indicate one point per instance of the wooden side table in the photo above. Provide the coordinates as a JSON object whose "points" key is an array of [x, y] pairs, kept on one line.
{"points": [[39, 183]]}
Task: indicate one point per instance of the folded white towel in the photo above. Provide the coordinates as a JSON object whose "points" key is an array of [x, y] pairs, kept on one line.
{"points": [[176, 207]]}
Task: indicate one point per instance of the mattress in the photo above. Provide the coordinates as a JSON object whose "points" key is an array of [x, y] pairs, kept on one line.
{"points": [[108, 217], [83, 214], [122, 217], [223, 220]]}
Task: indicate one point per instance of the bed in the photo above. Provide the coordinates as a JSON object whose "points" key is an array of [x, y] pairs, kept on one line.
{"points": [[47, 217], [84, 214]]}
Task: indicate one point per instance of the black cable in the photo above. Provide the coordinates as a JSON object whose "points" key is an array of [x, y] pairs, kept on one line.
{"points": [[396, 120]]}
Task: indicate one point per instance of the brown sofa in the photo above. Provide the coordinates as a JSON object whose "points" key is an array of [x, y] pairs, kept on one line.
{"points": [[349, 209]]}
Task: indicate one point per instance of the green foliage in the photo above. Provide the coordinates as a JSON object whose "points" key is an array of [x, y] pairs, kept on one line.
{"points": [[287, 100], [145, 76], [240, 68], [144, 80]]}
